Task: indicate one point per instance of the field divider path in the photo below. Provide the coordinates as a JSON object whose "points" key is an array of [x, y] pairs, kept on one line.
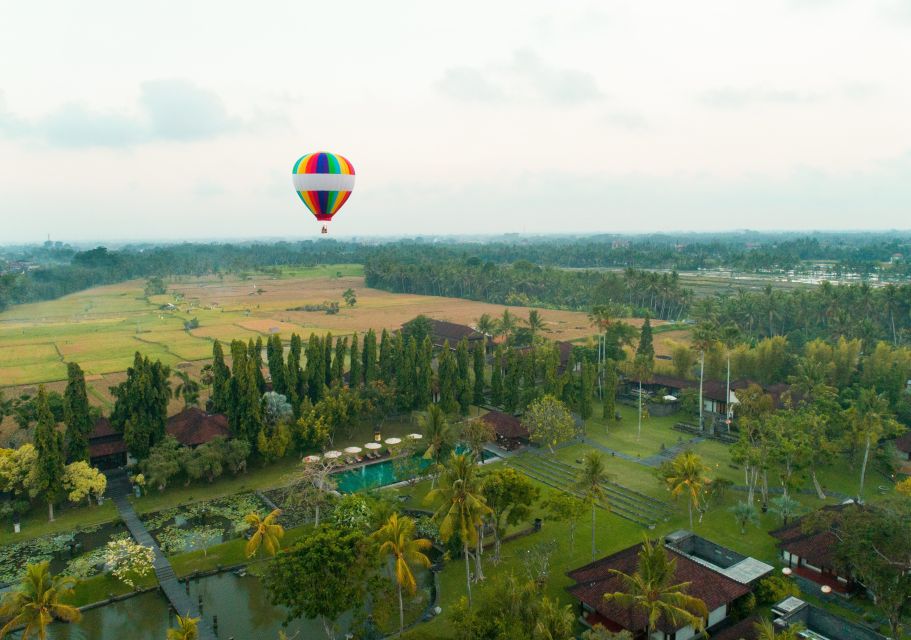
{"points": [[119, 490]]}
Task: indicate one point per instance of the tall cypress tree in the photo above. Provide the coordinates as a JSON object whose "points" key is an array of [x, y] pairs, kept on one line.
{"points": [[220, 376], [277, 371], [141, 404], [48, 471], [646, 347], [338, 364], [255, 351], [327, 359], [424, 383], [587, 390], [551, 362], [405, 382], [386, 371], [238, 356], [76, 414], [355, 378], [463, 381], [530, 387], [370, 357], [296, 387], [479, 383], [496, 378], [512, 384], [448, 376], [314, 370]]}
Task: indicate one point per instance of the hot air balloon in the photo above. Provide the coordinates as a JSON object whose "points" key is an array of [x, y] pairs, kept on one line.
{"points": [[323, 182]]}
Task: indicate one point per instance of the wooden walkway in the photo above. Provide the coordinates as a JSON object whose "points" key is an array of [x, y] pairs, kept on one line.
{"points": [[118, 490]]}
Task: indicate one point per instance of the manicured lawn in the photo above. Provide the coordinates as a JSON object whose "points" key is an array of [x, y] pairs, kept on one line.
{"points": [[35, 523], [101, 587], [623, 435]]}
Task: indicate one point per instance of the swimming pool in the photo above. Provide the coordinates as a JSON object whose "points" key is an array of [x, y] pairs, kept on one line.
{"points": [[379, 474]]}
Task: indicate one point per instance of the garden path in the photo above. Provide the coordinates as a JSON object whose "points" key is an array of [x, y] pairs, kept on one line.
{"points": [[119, 490]]}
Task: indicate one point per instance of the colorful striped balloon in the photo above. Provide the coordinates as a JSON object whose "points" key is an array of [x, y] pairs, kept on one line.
{"points": [[323, 181]]}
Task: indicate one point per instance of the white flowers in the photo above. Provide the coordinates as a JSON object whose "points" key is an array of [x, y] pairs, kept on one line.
{"points": [[128, 560]]}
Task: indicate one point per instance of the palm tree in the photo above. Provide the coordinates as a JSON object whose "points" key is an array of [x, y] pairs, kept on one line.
{"points": [[38, 601], [267, 533], [554, 622], [744, 514], [507, 324], [590, 482], [396, 539], [461, 507], [765, 630], [185, 630], [686, 474], [187, 388], [652, 591], [486, 325], [439, 435], [535, 322]]}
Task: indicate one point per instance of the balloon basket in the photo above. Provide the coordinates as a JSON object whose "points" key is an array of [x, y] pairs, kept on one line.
{"points": [[325, 229]]}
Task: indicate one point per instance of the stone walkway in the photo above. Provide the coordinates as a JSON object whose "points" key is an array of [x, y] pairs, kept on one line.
{"points": [[119, 490]]}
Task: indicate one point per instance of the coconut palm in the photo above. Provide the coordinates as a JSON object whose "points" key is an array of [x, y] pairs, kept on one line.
{"points": [[653, 591], [765, 630], [461, 508], [186, 629], [187, 388], [396, 540], [590, 482], [686, 475], [554, 622], [267, 533], [439, 435], [506, 324], [535, 322], [38, 601]]}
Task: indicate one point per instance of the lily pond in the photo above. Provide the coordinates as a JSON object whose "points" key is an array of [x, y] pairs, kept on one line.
{"points": [[202, 524], [74, 553], [240, 603]]}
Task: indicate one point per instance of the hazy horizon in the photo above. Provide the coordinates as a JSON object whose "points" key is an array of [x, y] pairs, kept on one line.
{"points": [[166, 122]]}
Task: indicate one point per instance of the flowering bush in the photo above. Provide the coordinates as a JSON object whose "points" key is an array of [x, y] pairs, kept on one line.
{"points": [[129, 560]]}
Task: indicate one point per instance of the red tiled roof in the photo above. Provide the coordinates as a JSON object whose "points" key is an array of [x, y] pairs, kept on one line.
{"points": [[595, 579], [194, 426], [441, 330], [102, 429], [743, 630], [505, 425], [671, 382], [99, 449], [816, 547], [903, 443]]}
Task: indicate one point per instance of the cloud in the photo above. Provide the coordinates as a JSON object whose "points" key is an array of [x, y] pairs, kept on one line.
{"points": [[526, 76], [168, 110], [734, 98], [629, 120]]}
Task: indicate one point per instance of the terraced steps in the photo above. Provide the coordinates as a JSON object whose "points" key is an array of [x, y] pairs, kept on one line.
{"points": [[626, 503]]}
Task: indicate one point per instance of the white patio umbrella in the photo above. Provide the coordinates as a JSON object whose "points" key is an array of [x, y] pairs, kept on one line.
{"points": [[415, 436], [373, 445], [670, 398], [393, 440], [332, 455], [353, 449], [311, 458]]}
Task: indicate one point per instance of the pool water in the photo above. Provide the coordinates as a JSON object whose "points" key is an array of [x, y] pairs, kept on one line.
{"points": [[379, 474]]}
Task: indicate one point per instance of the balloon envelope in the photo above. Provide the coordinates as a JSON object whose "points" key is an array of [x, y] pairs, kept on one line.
{"points": [[323, 182]]}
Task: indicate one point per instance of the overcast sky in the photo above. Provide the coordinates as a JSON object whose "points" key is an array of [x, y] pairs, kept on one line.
{"points": [[165, 120]]}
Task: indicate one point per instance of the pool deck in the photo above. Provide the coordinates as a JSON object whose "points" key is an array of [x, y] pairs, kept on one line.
{"points": [[119, 490]]}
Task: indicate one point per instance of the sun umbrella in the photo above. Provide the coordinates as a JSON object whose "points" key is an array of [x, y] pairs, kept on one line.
{"points": [[311, 458], [670, 398], [332, 455], [415, 436], [393, 440], [373, 445], [353, 449]]}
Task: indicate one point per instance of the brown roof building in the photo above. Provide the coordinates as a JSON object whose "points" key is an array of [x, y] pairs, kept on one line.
{"points": [[107, 449], [811, 554], [442, 331], [193, 426], [509, 429], [595, 579], [903, 444]]}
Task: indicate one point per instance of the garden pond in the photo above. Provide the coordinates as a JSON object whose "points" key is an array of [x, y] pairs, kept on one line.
{"points": [[241, 604], [74, 553], [202, 524]]}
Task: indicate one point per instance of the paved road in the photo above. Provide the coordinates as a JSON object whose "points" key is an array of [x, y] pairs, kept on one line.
{"points": [[118, 490]]}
